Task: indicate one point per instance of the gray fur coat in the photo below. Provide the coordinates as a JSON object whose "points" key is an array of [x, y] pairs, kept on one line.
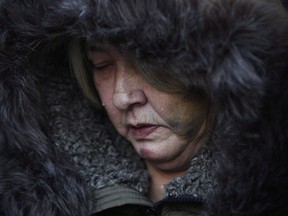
{"points": [[56, 149]]}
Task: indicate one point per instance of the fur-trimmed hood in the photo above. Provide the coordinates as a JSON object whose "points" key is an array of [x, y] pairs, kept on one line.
{"points": [[103, 157], [233, 51]]}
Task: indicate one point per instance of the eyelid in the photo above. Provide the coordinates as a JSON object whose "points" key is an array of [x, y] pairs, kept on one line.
{"points": [[102, 64], [103, 67]]}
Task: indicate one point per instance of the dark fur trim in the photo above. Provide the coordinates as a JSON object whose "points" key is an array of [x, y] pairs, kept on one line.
{"points": [[233, 50], [285, 3], [34, 178]]}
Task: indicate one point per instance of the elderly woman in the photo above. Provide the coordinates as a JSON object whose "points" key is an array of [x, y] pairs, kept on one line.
{"points": [[186, 110], [166, 123]]}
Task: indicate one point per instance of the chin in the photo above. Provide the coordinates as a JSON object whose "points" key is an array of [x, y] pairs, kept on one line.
{"points": [[146, 154], [150, 155], [153, 156]]}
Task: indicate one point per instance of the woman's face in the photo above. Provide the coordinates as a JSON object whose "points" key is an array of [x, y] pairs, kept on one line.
{"points": [[154, 121]]}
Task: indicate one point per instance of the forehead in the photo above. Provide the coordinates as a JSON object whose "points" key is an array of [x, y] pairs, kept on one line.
{"points": [[96, 47], [104, 48]]}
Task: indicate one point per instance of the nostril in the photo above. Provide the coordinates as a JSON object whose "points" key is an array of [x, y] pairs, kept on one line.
{"points": [[120, 100], [125, 100], [138, 96]]}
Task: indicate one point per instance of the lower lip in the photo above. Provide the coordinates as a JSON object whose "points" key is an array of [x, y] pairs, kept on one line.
{"points": [[143, 132]]}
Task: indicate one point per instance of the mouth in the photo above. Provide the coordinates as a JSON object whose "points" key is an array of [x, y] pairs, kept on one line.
{"points": [[142, 131]]}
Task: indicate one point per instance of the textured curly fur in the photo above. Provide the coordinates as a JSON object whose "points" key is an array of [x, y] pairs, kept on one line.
{"points": [[34, 178], [234, 51]]}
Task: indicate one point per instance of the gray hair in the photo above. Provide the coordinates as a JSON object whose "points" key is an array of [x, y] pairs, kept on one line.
{"points": [[82, 70]]}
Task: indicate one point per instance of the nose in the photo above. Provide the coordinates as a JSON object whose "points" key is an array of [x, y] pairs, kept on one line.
{"points": [[124, 100], [128, 90]]}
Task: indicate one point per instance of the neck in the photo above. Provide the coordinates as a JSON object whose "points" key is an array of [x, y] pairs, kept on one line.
{"points": [[158, 178]]}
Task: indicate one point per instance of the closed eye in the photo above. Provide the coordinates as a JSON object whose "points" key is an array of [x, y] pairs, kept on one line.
{"points": [[103, 72], [100, 61], [103, 67], [100, 67]]}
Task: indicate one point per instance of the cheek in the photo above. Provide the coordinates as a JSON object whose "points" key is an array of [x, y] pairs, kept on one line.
{"points": [[115, 117], [105, 91], [180, 115]]}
